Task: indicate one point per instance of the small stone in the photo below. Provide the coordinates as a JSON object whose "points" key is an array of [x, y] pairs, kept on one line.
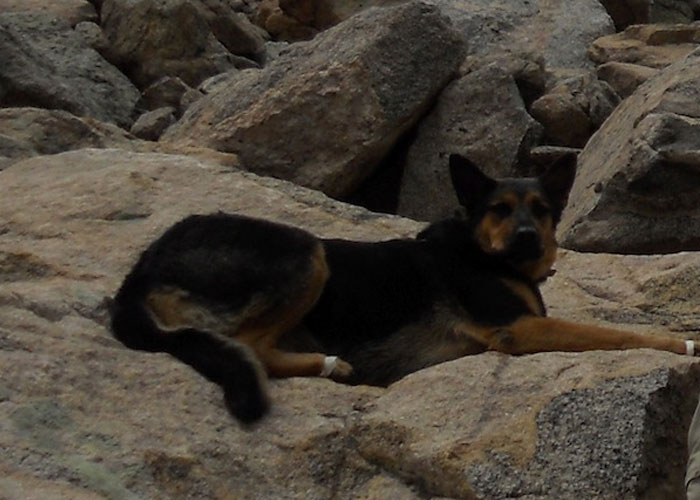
{"points": [[151, 125]]}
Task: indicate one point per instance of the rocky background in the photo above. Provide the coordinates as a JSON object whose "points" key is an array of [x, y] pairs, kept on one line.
{"points": [[119, 117]]}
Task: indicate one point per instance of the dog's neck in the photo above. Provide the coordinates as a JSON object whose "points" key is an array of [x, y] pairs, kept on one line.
{"points": [[536, 271]]}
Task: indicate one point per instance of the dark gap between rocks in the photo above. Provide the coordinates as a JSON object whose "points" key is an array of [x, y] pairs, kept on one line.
{"points": [[380, 191]]}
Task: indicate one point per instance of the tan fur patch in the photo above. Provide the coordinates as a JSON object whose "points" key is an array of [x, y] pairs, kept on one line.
{"points": [[531, 334], [271, 324], [527, 295], [174, 309], [492, 234], [476, 334], [263, 332], [532, 197], [256, 326], [493, 231]]}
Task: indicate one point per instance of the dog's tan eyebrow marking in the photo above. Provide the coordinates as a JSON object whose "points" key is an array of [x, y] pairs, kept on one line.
{"points": [[532, 197], [508, 197]]}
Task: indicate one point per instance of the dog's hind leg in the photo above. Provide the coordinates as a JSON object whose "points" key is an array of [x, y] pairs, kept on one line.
{"points": [[536, 334], [263, 331], [165, 321]]}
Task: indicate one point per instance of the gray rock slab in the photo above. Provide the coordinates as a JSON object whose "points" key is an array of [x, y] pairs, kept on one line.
{"points": [[46, 64]]}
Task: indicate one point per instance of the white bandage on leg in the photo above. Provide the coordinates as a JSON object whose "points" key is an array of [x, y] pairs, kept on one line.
{"points": [[690, 347], [329, 364]]}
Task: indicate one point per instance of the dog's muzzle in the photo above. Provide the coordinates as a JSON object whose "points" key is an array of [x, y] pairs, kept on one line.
{"points": [[525, 244]]}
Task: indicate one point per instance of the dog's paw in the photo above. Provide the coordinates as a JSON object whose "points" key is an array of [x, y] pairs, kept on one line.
{"points": [[336, 368], [342, 370]]}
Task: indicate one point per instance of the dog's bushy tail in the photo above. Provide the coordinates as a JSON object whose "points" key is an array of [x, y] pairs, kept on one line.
{"points": [[221, 360]]}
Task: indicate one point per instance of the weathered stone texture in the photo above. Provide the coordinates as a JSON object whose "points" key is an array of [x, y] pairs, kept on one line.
{"points": [[559, 31], [655, 46], [326, 112], [481, 116], [46, 64], [637, 187], [190, 39], [574, 109]]}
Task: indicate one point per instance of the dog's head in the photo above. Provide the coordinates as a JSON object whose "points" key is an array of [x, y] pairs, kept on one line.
{"points": [[515, 218]]}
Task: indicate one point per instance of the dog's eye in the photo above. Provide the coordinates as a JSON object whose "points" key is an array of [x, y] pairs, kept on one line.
{"points": [[539, 209], [501, 209]]}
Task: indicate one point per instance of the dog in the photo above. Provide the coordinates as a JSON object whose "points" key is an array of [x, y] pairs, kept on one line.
{"points": [[240, 298]]}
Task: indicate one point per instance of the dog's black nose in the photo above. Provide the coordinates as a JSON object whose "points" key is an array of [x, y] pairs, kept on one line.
{"points": [[527, 235], [526, 244]]}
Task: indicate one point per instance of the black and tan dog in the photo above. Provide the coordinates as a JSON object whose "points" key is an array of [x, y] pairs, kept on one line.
{"points": [[224, 293]]}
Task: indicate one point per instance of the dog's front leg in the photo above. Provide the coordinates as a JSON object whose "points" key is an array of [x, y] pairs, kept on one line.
{"points": [[296, 364], [532, 334]]}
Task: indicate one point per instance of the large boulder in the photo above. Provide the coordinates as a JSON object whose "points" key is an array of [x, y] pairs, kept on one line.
{"points": [[541, 427], [326, 112], [46, 64], [482, 116], [637, 186], [517, 51], [190, 39], [83, 417]]}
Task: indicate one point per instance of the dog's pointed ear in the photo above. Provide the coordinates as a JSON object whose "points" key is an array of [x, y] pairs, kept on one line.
{"points": [[470, 184], [557, 181]]}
